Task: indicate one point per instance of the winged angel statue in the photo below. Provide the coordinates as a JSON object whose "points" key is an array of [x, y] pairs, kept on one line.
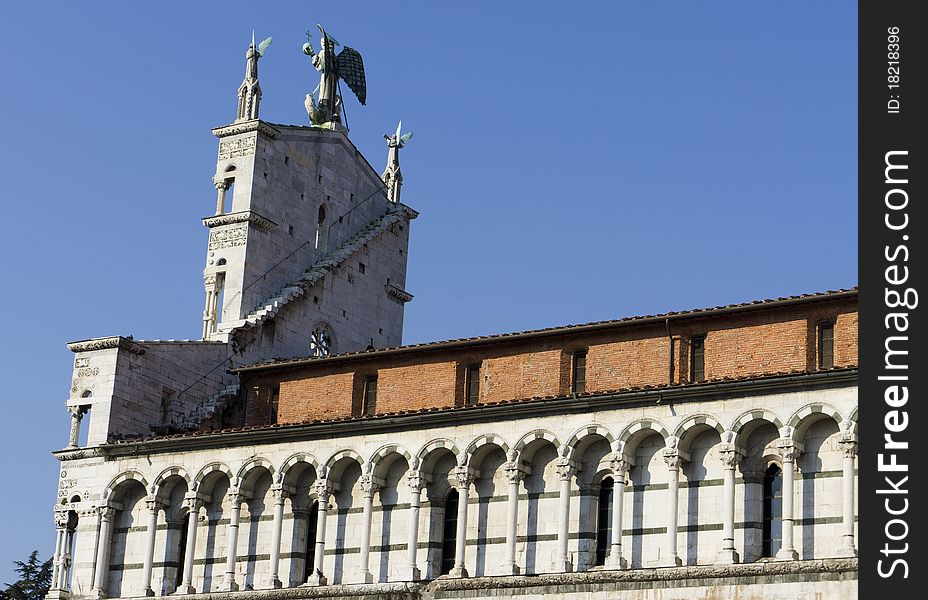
{"points": [[347, 65]]}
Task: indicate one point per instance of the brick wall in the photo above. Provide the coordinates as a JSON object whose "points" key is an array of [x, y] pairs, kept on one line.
{"points": [[765, 341]]}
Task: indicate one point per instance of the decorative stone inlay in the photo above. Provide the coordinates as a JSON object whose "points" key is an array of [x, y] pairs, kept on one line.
{"points": [[236, 147], [245, 216], [395, 292], [107, 343], [228, 238]]}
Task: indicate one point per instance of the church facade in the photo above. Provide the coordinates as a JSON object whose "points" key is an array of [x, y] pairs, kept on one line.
{"points": [[299, 450]]}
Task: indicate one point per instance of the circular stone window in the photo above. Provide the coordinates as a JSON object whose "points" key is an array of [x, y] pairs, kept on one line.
{"points": [[320, 342]]}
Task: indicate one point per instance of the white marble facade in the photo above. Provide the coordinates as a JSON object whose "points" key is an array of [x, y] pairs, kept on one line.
{"points": [[375, 476]]}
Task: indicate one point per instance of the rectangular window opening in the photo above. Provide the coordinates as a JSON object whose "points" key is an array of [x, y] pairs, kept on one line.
{"points": [[472, 385], [826, 344], [698, 358], [578, 372], [273, 402], [370, 396]]}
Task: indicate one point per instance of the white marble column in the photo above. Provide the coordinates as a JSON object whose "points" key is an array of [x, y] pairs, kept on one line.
{"points": [[153, 507], [849, 448], [222, 186], [193, 504], [210, 311], [228, 581], [461, 479], [323, 493], [730, 459], [102, 571], [77, 414], [789, 452], [615, 560], [59, 585], [415, 481], [280, 496], [673, 459], [514, 475], [566, 469], [369, 487]]}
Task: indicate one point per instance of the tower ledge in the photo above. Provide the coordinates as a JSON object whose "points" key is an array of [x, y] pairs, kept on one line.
{"points": [[247, 127], [249, 216]]}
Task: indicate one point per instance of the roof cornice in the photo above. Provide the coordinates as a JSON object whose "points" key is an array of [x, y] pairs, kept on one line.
{"points": [[106, 343], [247, 127], [244, 216]]}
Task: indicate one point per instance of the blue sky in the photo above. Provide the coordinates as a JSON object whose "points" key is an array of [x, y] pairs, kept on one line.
{"points": [[571, 163]]}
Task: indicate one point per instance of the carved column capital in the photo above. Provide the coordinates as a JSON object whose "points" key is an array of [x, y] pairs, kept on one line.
{"points": [[77, 412], [619, 465], [848, 445], [788, 449], [673, 458], [415, 481], [193, 503], [323, 490], [221, 183], [369, 485], [280, 492], [462, 477], [565, 468], [106, 512], [729, 456], [61, 519], [514, 472], [153, 505]]}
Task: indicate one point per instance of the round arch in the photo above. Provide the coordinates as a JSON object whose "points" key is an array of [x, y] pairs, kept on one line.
{"points": [[378, 457], [755, 414], [130, 475], [637, 430], [209, 469], [586, 431], [254, 463], [810, 413], [485, 439], [532, 436], [438, 444]]}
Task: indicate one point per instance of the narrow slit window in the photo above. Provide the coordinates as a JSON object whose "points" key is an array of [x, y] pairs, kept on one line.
{"points": [[773, 511], [604, 521], [370, 396], [472, 384], [312, 520], [698, 358], [449, 532], [826, 345], [181, 552], [273, 402], [578, 372]]}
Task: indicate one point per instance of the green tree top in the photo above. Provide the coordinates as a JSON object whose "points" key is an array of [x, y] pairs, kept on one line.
{"points": [[35, 577]]}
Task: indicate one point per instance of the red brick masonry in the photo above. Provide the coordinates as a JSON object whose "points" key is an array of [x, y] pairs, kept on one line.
{"points": [[744, 340]]}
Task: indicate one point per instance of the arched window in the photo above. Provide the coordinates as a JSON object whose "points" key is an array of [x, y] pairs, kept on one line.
{"points": [[773, 510], [311, 522], [604, 521], [320, 230], [449, 532]]}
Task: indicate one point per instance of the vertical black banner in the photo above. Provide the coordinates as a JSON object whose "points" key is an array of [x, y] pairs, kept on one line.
{"points": [[892, 169]]}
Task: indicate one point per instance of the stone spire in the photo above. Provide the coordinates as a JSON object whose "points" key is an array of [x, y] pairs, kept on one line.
{"points": [[392, 175], [249, 93]]}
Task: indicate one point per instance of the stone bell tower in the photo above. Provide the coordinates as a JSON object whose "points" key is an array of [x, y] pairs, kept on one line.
{"points": [[307, 246]]}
